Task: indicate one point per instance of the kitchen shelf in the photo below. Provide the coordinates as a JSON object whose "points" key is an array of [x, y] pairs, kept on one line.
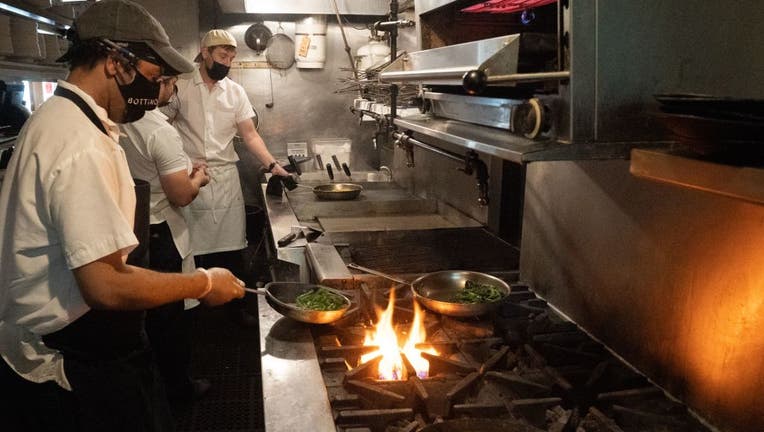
{"points": [[514, 148], [688, 170], [17, 70], [491, 141]]}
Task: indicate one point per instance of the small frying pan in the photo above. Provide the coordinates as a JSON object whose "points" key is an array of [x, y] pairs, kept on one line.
{"points": [[282, 297]]}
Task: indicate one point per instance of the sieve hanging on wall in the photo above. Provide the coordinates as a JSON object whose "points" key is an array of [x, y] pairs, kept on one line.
{"points": [[280, 50]]}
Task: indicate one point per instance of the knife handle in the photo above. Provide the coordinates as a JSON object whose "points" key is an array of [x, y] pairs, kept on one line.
{"points": [[346, 168], [336, 162], [329, 171], [320, 162], [293, 162]]}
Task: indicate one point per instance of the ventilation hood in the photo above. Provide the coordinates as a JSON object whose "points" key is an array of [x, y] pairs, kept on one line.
{"points": [[305, 7]]}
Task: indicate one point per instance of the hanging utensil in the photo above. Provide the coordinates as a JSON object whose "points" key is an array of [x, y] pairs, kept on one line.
{"points": [[270, 81], [280, 50]]}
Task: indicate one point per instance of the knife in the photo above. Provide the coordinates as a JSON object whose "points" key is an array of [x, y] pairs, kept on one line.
{"points": [[336, 162], [346, 168], [329, 171]]}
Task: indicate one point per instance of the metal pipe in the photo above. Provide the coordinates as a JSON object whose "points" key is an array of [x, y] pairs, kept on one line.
{"points": [[345, 40], [383, 25], [458, 73], [393, 55], [408, 140], [528, 77]]}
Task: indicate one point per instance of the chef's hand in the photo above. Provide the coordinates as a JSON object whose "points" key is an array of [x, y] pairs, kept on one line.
{"points": [[200, 174], [225, 287], [278, 170]]}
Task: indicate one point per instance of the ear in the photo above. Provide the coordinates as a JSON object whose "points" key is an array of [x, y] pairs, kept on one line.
{"points": [[111, 66]]}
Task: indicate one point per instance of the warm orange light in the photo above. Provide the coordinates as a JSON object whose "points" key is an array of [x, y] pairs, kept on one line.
{"points": [[383, 335]]}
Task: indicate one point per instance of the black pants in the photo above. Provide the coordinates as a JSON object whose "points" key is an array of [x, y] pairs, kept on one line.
{"points": [[169, 326], [115, 381]]}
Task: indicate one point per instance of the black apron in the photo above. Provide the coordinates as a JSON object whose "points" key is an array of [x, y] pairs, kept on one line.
{"points": [[107, 359]]}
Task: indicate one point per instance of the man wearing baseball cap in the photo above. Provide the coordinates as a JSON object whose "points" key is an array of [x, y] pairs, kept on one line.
{"points": [[209, 110], [74, 352]]}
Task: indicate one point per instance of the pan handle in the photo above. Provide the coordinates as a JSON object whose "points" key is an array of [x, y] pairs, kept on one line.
{"points": [[258, 291], [374, 272]]}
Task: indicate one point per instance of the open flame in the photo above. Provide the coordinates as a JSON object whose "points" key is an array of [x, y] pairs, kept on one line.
{"points": [[383, 335]]}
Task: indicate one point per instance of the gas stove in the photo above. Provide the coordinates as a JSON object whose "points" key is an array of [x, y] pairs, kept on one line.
{"points": [[523, 368]]}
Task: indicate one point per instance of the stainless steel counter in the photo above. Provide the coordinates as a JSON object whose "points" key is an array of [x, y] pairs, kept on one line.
{"points": [[294, 394]]}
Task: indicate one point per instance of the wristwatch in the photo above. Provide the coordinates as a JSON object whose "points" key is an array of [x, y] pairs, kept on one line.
{"points": [[272, 165]]}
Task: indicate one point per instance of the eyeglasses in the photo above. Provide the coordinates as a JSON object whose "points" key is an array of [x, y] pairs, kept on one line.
{"points": [[146, 67]]}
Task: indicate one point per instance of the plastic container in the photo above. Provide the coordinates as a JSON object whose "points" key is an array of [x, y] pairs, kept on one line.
{"points": [[310, 42], [372, 55], [326, 147]]}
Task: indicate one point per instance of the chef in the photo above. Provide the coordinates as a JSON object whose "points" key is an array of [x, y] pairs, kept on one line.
{"points": [[155, 154], [74, 353], [209, 110]]}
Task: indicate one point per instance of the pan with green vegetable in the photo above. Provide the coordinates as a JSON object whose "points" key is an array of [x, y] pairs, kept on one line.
{"points": [[308, 303], [458, 293]]}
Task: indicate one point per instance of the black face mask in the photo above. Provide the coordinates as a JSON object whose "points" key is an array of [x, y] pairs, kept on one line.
{"points": [[140, 96], [218, 71]]}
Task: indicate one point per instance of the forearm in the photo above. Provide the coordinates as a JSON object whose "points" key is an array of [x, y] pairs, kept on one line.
{"points": [[106, 286], [257, 147]]}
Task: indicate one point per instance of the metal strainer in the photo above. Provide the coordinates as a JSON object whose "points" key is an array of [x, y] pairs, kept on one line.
{"points": [[280, 50]]}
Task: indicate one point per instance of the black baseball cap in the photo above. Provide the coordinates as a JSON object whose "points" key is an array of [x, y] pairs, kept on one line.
{"points": [[126, 21]]}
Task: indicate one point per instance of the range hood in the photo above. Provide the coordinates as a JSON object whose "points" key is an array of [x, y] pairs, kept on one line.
{"points": [[305, 7]]}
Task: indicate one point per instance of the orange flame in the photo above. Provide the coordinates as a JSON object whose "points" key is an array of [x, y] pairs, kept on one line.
{"points": [[384, 336]]}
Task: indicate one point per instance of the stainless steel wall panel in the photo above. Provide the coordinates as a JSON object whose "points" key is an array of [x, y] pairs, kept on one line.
{"points": [[670, 278]]}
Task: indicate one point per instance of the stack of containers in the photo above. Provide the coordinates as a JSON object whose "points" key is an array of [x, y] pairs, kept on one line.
{"points": [[52, 48], [24, 37], [6, 44]]}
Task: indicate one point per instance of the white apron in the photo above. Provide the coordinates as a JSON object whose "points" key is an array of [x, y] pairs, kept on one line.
{"points": [[182, 240], [216, 218]]}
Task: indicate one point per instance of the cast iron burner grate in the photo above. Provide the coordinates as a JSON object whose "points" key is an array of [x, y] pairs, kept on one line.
{"points": [[525, 368]]}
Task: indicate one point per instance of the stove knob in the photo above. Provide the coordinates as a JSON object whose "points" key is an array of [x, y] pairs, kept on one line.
{"points": [[530, 119], [474, 82]]}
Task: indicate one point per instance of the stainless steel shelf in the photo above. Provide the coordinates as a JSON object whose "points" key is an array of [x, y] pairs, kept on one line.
{"points": [[494, 142], [16, 70], [681, 169]]}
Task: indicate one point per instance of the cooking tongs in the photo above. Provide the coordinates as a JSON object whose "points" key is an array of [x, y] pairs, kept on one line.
{"points": [[298, 231]]}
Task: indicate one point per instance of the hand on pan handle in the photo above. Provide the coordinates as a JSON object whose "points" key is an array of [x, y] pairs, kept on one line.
{"points": [[225, 287]]}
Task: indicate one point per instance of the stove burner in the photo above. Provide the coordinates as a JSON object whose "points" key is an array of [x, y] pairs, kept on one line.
{"points": [[525, 367]]}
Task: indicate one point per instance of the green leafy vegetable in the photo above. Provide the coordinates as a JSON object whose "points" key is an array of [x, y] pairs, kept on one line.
{"points": [[476, 292], [320, 299]]}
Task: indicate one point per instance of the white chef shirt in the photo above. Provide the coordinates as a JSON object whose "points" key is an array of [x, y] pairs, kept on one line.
{"points": [[67, 200], [153, 148], [207, 120]]}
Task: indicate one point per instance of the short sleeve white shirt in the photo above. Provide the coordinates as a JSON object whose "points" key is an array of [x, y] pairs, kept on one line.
{"points": [[67, 199], [207, 119], [153, 148]]}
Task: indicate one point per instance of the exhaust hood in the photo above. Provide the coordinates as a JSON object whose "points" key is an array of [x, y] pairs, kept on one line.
{"points": [[305, 7]]}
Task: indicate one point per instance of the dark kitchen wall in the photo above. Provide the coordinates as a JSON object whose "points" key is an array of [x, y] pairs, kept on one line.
{"points": [[671, 278]]}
